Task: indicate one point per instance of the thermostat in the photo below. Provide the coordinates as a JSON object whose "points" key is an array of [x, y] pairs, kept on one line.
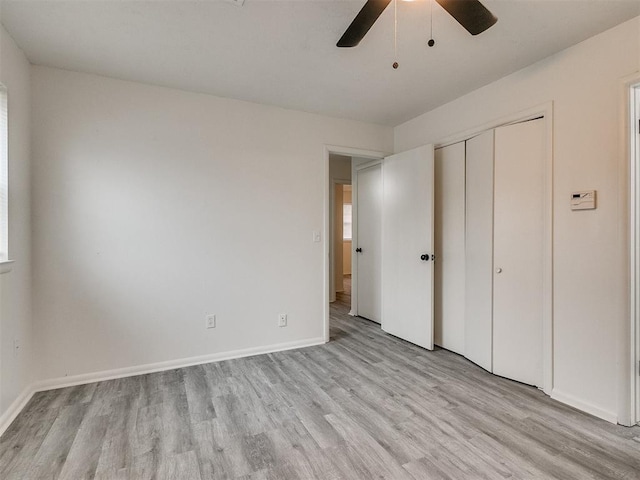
{"points": [[585, 200]]}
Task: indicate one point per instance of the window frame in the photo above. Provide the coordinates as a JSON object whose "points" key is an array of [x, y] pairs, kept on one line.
{"points": [[5, 262]]}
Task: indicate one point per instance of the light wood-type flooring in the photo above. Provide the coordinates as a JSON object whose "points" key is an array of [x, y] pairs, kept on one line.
{"points": [[364, 406]]}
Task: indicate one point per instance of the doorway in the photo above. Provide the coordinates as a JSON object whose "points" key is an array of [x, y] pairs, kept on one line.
{"points": [[339, 179], [392, 226], [342, 279]]}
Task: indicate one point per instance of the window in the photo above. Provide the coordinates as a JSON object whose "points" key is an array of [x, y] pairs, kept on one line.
{"points": [[346, 221], [4, 177]]}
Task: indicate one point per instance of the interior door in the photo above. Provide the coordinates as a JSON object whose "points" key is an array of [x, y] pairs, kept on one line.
{"points": [[518, 251], [407, 246], [369, 239]]}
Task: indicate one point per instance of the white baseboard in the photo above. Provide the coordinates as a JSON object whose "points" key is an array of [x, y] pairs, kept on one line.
{"points": [[62, 382], [93, 377], [15, 408], [584, 406]]}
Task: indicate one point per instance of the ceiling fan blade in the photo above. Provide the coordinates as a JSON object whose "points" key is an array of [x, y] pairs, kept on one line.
{"points": [[362, 23], [471, 14]]}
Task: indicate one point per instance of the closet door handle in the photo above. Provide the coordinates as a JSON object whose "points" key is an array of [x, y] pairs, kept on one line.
{"points": [[498, 270], [358, 250], [424, 257]]}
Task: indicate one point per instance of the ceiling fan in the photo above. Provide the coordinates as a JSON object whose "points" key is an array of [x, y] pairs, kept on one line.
{"points": [[471, 14]]}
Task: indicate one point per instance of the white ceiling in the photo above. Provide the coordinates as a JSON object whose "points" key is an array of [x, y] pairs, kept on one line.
{"points": [[283, 52]]}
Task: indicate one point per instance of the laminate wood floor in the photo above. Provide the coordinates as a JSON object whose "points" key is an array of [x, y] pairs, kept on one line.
{"points": [[364, 406]]}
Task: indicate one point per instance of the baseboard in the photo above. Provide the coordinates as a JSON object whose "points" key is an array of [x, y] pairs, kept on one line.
{"points": [[93, 377], [15, 408], [584, 406]]}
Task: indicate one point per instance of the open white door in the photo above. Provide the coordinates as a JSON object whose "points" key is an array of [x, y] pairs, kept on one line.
{"points": [[369, 239], [407, 246]]}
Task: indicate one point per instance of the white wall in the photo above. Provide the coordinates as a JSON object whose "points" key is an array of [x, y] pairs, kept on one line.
{"points": [[15, 286], [154, 207], [590, 261]]}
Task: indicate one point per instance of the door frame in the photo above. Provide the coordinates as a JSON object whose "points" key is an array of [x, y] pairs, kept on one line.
{"points": [[543, 110], [351, 152], [629, 382]]}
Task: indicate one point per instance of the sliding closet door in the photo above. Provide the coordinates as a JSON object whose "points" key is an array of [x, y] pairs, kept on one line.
{"points": [[479, 250], [407, 246], [518, 251], [449, 229]]}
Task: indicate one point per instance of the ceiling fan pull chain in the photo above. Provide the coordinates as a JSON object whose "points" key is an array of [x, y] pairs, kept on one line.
{"points": [[395, 34]]}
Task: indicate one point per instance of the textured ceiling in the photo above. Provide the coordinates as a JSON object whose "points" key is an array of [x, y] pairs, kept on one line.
{"points": [[283, 52]]}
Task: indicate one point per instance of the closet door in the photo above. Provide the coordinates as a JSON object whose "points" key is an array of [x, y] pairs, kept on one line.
{"points": [[518, 250], [479, 250], [407, 246], [449, 285]]}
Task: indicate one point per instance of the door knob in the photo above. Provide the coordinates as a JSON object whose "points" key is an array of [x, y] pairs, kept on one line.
{"points": [[498, 270], [358, 250], [424, 257]]}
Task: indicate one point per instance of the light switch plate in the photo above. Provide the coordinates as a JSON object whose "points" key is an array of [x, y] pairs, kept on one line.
{"points": [[583, 200]]}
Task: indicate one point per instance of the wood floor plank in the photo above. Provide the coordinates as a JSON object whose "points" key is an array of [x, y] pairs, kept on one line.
{"points": [[82, 461], [176, 436], [214, 453], [20, 445], [118, 448], [53, 452], [366, 405], [183, 466], [362, 445], [199, 394]]}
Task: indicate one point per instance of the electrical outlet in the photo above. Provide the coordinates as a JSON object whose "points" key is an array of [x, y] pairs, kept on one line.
{"points": [[211, 321], [16, 347], [282, 320]]}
